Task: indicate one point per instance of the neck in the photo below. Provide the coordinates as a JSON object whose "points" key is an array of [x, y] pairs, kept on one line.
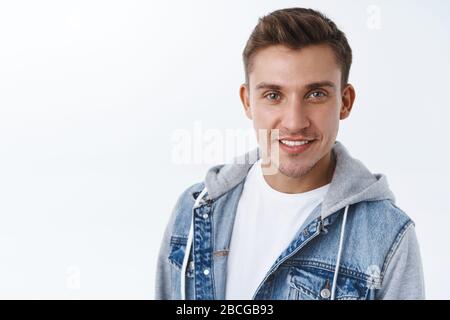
{"points": [[320, 175]]}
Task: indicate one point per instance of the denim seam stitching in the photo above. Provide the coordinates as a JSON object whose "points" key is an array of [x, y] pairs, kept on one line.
{"points": [[327, 267], [213, 244], [394, 247]]}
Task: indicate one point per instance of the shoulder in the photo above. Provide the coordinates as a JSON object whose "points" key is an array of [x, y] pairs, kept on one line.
{"points": [[187, 197], [375, 229], [381, 215], [182, 212]]}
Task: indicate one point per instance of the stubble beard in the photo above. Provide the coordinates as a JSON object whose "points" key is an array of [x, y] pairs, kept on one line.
{"points": [[292, 168]]}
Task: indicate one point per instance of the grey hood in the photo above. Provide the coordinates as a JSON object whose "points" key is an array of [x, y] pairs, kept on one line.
{"points": [[352, 182]]}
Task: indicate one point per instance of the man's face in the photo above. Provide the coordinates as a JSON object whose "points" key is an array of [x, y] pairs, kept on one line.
{"points": [[298, 92]]}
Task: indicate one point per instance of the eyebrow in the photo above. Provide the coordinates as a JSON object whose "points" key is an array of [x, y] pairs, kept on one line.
{"points": [[309, 86]]}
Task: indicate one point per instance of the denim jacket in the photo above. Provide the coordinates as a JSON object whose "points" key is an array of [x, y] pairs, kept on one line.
{"points": [[355, 245]]}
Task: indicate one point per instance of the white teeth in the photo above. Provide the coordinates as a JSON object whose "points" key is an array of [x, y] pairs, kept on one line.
{"points": [[294, 143]]}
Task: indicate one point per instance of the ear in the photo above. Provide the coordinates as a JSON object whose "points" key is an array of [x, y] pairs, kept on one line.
{"points": [[348, 97], [244, 93]]}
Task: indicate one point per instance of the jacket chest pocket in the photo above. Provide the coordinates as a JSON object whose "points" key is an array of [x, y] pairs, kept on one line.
{"points": [[312, 283], [176, 255]]}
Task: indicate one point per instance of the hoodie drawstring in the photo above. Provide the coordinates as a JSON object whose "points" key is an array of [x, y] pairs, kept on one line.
{"points": [[189, 245], [338, 262]]}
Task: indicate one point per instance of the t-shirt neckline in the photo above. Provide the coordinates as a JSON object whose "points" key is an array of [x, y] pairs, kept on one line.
{"points": [[268, 190]]}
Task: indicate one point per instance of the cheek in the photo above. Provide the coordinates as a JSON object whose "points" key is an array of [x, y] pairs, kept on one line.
{"points": [[264, 117], [328, 121]]}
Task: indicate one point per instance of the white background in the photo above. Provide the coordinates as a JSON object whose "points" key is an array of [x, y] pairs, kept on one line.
{"points": [[91, 93]]}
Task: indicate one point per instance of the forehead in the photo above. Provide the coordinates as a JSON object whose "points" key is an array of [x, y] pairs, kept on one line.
{"points": [[297, 67]]}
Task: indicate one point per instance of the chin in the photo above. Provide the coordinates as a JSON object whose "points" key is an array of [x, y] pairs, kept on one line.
{"points": [[294, 168]]}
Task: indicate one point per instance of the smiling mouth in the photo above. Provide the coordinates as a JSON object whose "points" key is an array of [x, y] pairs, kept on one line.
{"points": [[292, 143], [295, 146]]}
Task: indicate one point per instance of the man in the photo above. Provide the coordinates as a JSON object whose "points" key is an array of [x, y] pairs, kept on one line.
{"points": [[321, 226]]}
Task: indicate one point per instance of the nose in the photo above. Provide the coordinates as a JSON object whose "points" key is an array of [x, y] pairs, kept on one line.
{"points": [[295, 117]]}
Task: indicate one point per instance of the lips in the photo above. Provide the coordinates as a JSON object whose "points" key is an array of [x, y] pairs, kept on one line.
{"points": [[294, 142], [295, 146]]}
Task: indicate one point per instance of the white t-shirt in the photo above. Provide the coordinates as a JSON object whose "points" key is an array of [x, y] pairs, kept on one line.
{"points": [[265, 224]]}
